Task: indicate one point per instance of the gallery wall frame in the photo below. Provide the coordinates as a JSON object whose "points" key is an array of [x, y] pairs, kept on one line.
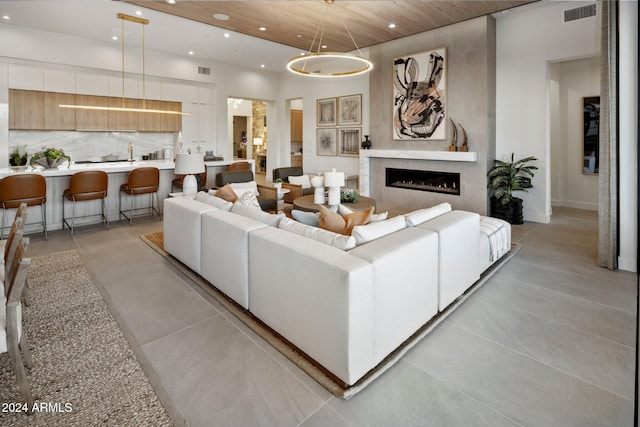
{"points": [[326, 112], [350, 110], [349, 141], [326, 142], [419, 96]]}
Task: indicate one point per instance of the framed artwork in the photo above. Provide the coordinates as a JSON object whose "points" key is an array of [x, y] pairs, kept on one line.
{"points": [[419, 101], [591, 128], [326, 142], [349, 141], [350, 110], [326, 110]]}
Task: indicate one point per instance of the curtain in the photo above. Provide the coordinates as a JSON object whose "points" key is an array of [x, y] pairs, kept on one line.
{"points": [[608, 173]]}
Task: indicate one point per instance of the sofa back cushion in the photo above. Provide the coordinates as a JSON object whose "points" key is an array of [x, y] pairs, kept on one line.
{"points": [[419, 216], [257, 214], [226, 177], [302, 180], [324, 236], [283, 173], [242, 187], [214, 201], [375, 230]]}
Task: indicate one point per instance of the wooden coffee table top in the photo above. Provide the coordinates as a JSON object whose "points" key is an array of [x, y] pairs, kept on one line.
{"points": [[305, 203]]}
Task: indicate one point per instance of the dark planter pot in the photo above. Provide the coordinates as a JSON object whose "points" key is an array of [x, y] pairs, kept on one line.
{"points": [[511, 212]]}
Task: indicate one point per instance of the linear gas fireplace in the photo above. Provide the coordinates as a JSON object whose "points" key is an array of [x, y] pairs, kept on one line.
{"points": [[437, 182]]}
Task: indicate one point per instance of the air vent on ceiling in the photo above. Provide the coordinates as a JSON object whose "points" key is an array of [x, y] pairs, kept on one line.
{"points": [[204, 70], [580, 13]]}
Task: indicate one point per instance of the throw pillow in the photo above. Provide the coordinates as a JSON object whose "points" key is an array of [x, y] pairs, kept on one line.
{"points": [[323, 236], [308, 218], [421, 215], [369, 232], [301, 180], [248, 199], [343, 210], [214, 201], [227, 193], [241, 187], [335, 222], [253, 213]]}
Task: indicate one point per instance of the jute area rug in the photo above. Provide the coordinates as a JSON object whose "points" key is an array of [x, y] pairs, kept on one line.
{"points": [[84, 372], [155, 241]]}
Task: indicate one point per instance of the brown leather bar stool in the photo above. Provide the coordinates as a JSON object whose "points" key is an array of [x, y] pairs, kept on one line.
{"points": [[29, 188], [141, 181], [239, 166], [85, 186]]}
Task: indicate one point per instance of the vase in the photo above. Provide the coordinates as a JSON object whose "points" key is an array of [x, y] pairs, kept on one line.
{"points": [[50, 163], [511, 212], [366, 144]]}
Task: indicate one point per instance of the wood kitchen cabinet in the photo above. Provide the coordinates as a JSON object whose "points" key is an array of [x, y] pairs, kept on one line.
{"points": [[26, 109], [296, 161], [123, 120], [170, 122], [296, 125], [56, 117], [92, 119]]}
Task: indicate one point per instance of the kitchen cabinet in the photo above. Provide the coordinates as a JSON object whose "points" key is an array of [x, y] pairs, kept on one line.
{"points": [[149, 122], [60, 81], [296, 161], [26, 109], [93, 120], [26, 77], [55, 117], [123, 120], [296, 125], [92, 84], [198, 128]]}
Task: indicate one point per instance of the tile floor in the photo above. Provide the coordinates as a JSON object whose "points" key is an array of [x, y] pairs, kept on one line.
{"points": [[548, 341]]}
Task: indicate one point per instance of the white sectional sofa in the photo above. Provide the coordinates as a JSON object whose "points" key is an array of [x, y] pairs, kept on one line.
{"points": [[346, 306]]}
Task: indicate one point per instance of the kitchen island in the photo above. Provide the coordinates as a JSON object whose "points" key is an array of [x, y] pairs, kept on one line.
{"points": [[118, 172]]}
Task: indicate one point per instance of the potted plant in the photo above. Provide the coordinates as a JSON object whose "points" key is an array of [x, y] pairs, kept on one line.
{"points": [[18, 156], [504, 179], [277, 183], [49, 158], [349, 195]]}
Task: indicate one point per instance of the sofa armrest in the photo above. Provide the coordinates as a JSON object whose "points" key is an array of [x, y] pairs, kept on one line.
{"points": [[295, 191]]}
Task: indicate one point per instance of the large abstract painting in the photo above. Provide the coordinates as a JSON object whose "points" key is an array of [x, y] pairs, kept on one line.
{"points": [[419, 103]]}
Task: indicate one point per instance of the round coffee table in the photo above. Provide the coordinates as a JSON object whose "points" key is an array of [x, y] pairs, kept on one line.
{"points": [[305, 203]]}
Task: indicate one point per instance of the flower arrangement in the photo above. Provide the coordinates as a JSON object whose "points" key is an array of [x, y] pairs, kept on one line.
{"points": [[49, 158], [349, 195]]}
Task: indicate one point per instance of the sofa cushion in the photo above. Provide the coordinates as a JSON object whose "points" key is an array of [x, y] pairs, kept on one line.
{"points": [[302, 180], [344, 210], [421, 215], [375, 230], [308, 218], [337, 223], [241, 187], [214, 201], [249, 200], [324, 236], [226, 193], [257, 214]]}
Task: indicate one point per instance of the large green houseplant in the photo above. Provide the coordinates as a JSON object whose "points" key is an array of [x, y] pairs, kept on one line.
{"points": [[504, 179]]}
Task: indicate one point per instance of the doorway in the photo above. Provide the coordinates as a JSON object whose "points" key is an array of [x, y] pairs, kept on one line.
{"points": [[240, 137]]}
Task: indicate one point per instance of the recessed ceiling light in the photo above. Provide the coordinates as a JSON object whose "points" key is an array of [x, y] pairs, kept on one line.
{"points": [[261, 65], [171, 1], [299, 35], [190, 52], [262, 29], [114, 38], [7, 17], [139, 12], [392, 25], [221, 16], [324, 46], [227, 35]]}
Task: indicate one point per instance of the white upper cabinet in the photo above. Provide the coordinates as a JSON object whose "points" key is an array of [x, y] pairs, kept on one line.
{"points": [[151, 90], [26, 77], [205, 96], [59, 81], [4, 75], [92, 84], [130, 87], [171, 92], [190, 94]]}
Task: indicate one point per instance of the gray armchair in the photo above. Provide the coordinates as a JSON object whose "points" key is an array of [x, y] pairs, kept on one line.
{"points": [[268, 197], [295, 190]]}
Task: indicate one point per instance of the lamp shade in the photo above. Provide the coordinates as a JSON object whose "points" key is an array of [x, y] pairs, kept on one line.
{"points": [[257, 141], [187, 164], [333, 179]]}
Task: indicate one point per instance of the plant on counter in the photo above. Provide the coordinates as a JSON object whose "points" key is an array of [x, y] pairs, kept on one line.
{"points": [[18, 156], [504, 179], [50, 158], [349, 195]]}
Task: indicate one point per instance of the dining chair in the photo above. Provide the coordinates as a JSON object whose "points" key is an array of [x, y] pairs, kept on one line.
{"points": [[13, 338]]}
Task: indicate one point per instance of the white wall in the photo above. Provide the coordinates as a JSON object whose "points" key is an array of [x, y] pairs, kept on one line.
{"points": [[528, 40], [574, 80]]}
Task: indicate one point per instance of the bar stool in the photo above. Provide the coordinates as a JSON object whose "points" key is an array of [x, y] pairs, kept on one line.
{"points": [[29, 188], [239, 166], [140, 181], [85, 186]]}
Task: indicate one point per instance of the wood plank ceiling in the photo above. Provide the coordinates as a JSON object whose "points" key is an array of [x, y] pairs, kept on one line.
{"points": [[295, 23]]}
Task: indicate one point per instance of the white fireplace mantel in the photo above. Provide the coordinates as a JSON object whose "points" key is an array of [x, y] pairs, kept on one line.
{"points": [[447, 156]]}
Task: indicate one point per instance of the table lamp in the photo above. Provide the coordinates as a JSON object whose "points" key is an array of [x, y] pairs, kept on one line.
{"points": [[257, 142], [333, 181], [189, 164]]}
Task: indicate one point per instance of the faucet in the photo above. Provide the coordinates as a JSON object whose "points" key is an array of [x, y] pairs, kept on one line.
{"points": [[130, 151]]}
